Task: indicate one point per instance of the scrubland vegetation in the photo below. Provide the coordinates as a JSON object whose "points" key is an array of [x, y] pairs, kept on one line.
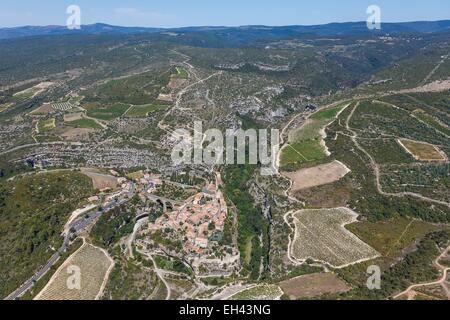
{"points": [[33, 211]]}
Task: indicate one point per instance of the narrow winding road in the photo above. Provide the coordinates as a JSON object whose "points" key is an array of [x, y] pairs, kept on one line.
{"points": [[159, 273], [76, 228]]}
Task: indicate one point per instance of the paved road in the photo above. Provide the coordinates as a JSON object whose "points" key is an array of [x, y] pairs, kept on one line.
{"points": [[40, 144], [76, 228]]}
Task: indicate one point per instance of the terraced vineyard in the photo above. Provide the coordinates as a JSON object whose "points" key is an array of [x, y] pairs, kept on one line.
{"points": [[62, 106], [320, 235], [259, 292], [93, 265]]}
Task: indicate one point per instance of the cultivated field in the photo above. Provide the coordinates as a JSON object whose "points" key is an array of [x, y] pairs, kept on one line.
{"points": [[100, 181], [165, 97], [136, 175], [137, 89], [76, 133], [313, 285], [259, 292], [46, 125], [108, 113], [176, 83], [306, 144], [435, 292], [181, 73], [422, 151], [302, 152], [309, 130], [68, 117], [390, 237], [320, 235], [84, 123], [144, 110], [44, 109], [5, 106], [33, 91], [93, 264], [62, 106], [317, 176]]}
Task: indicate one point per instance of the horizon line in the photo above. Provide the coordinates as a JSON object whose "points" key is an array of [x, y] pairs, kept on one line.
{"points": [[222, 26]]}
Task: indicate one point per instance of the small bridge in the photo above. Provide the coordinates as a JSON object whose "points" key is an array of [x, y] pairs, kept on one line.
{"points": [[141, 216], [167, 204]]}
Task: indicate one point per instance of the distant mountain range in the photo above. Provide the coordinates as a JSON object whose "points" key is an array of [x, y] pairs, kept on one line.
{"points": [[331, 29], [98, 28]]}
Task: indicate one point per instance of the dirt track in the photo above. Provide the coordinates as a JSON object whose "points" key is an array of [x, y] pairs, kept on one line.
{"points": [[376, 168], [441, 281]]}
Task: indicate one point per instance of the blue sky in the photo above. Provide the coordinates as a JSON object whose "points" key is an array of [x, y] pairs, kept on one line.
{"points": [[175, 13]]}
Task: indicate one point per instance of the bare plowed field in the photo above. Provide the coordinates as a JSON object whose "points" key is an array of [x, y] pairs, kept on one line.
{"points": [[100, 181], [423, 151], [317, 176], [313, 285]]}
